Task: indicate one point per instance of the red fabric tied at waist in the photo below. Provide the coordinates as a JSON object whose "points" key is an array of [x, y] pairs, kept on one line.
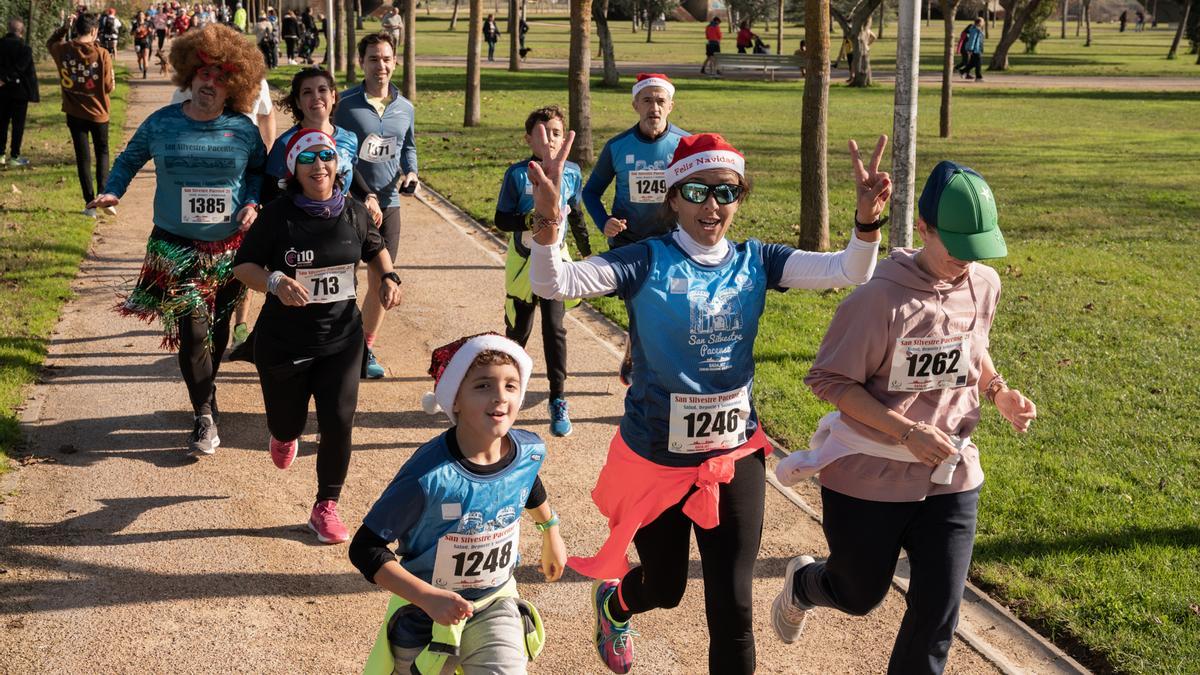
{"points": [[632, 491]]}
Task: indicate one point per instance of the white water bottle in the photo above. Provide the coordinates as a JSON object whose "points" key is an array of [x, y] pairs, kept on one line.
{"points": [[944, 473]]}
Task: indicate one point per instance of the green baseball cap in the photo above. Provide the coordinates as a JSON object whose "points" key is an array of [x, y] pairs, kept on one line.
{"points": [[958, 202]]}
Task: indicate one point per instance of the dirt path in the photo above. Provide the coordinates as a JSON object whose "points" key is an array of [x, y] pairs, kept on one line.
{"points": [[119, 554], [929, 78]]}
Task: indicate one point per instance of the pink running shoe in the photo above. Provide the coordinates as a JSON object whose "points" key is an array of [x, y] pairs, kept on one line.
{"points": [[283, 453], [614, 641], [325, 522]]}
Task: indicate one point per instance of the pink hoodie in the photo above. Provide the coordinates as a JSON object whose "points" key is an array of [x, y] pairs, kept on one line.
{"points": [[902, 301]]}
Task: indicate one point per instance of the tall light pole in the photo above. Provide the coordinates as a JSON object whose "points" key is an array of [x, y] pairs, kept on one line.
{"points": [[904, 127]]}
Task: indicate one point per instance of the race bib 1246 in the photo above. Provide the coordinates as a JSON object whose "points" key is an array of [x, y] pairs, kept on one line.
{"points": [[707, 422]]}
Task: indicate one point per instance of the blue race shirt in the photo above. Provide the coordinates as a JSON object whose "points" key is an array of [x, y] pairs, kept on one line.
{"points": [[205, 172], [347, 150], [387, 146], [638, 164], [692, 329], [434, 503], [516, 196]]}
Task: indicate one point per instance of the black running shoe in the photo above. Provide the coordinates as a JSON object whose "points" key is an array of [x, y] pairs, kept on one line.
{"points": [[204, 439]]}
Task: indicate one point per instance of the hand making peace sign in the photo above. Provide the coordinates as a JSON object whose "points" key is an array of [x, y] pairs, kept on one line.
{"points": [[545, 176], [873, 187]]}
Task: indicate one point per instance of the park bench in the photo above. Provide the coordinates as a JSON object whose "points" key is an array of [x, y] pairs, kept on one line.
{"points": [[768, 63]]}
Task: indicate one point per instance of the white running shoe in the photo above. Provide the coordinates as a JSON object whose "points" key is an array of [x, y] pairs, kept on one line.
{"points": [[110, 210], [788, 616], [90, 213]]}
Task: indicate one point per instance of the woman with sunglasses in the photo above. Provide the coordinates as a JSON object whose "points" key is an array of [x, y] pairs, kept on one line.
{"points": [[302, 252], [689, 453]]}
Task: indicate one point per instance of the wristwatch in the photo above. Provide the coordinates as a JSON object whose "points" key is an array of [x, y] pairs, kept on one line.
{"points": [[393, 276], [869, 227]]}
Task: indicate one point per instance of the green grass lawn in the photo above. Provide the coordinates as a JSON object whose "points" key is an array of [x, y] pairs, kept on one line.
{"points": [[1088, 524], [43, 237], [1112, 53]]}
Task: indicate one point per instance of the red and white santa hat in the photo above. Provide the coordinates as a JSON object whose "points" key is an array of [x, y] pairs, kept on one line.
{"points": [[647, 80], [451, 362], [303, 140], [702, 152]]}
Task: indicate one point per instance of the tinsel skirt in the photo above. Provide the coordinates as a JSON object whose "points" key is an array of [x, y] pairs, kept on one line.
{"points": [[181, 277]]}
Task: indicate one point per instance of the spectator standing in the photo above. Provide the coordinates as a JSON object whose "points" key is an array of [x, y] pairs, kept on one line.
{"points": [[1141, 21], [239, 18], [308, 36], [491, 34], [393, 25], [18, 86], [86, 75], [290, 28], [268, 40], [523, 28], [745, 37], [1124, 20], [712, 47]]}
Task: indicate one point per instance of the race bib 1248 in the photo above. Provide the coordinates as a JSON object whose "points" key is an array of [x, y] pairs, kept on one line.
{"points": [[484, 560]]}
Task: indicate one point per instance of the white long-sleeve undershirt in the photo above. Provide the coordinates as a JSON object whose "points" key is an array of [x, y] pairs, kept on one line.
{"points": [[551, 277]]}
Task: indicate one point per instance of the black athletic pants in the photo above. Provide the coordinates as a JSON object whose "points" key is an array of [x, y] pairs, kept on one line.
{"points": [[288, 382], [727, 555], [865, 538], [12, 111], [199, 362], [80, 130], [554, 337], [291, 47], [162, 36]]}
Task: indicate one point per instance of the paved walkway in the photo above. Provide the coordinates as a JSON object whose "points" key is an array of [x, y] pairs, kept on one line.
{"points": [[119, 554]]}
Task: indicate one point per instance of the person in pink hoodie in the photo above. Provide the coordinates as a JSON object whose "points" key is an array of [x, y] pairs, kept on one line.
{"points": [[906, 362]]}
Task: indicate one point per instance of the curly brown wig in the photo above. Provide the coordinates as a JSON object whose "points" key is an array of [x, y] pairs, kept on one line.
{"points": [[220, 45]]}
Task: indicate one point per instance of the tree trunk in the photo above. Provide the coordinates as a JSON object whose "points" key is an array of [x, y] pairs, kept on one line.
{"points": [[514, 36], [1087, 22], [351, 13], [862, 58], [454, 16], [1187, 8], [339, 32], [814, 114], [779, 29], [612, 77], [358, 17], [949, 8], [579, 68], [475, 25], [409, 83], [882, 7], [1078, 20], [649, 27], [1064, 19], [1011, 33]]}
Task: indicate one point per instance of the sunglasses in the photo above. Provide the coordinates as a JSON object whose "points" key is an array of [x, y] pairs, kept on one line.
{"points": [[308, 156], [697, 193]]}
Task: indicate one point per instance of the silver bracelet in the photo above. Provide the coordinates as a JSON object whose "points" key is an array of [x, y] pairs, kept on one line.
{"points": [[273, 281]]}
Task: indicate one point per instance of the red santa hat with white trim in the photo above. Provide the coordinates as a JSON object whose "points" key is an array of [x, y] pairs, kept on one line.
{"points": [[702, 152], [647, 80], [302, 140], [451, 362]]}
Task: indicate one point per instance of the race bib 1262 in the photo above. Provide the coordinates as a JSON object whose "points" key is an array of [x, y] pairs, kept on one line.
{"points": [[923, 364]]}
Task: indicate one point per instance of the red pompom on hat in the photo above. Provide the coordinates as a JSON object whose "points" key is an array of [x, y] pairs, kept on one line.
{"points": [[647, 80], [303, 140], [702, 152], [451, 362]]}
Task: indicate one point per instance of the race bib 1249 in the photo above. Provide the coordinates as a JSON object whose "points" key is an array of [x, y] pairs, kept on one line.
{"points": [[647, 186]]}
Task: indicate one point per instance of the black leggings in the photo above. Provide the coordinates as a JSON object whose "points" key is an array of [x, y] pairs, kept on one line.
{"points": [[80, 130], [291, 47], [727, 555], [865, 538], [199, 363], [331, 380], [554, 337], [162, 36]]}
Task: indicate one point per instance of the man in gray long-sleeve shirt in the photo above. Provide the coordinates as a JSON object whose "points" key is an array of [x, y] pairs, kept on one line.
{"points": [[382, 120]]}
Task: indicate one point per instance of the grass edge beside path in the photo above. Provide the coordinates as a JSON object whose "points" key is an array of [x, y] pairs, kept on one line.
{"points": [[43, 239]]}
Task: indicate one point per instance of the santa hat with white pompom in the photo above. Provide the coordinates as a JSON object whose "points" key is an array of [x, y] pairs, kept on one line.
{"points": [[451, 362]]}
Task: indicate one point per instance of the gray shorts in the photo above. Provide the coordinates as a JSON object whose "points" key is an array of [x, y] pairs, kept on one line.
{"points": [[493, 641]]}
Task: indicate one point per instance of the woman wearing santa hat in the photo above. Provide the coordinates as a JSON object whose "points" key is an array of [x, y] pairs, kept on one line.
{"points": [[689, 454], [302, 251]]}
